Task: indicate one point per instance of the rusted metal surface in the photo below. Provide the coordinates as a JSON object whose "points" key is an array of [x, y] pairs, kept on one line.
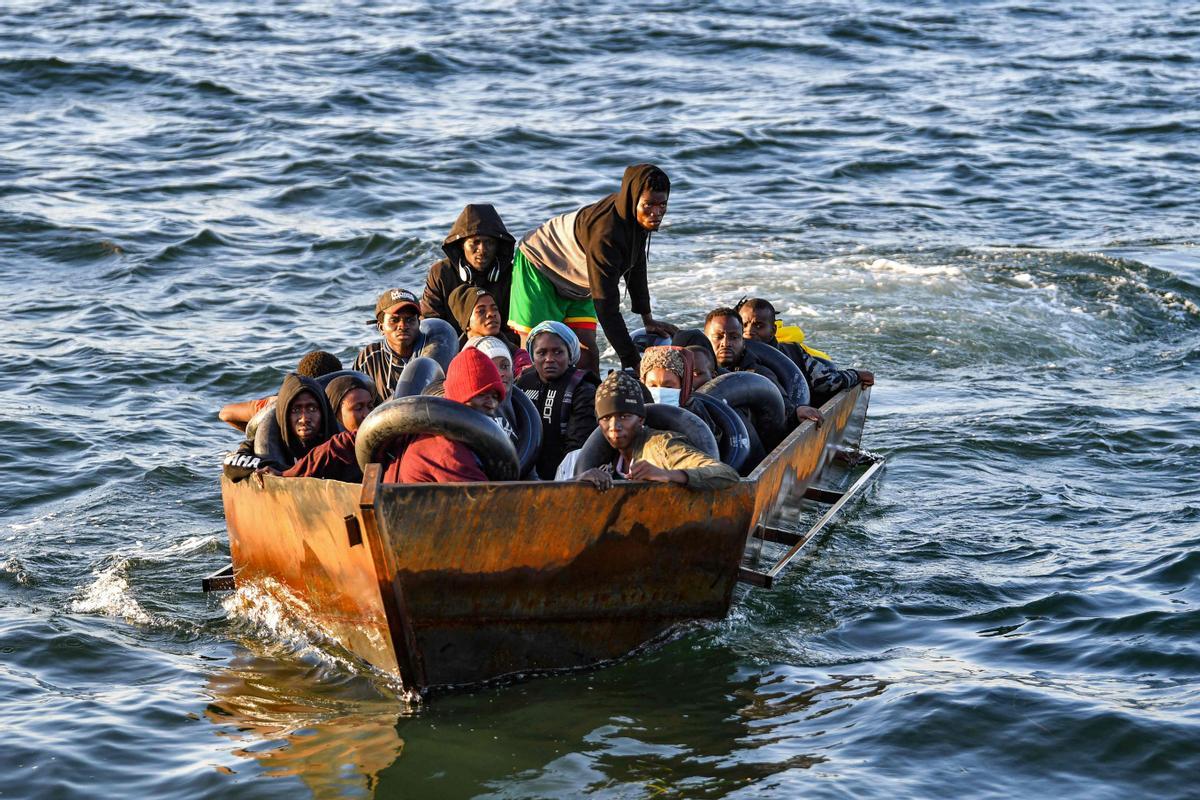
{"points": [[509, 577], [459, 583], [291, 532]]}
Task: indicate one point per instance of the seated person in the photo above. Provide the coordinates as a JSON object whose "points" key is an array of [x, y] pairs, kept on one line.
{"points": [[667, 373], [704, 365], [496, 349], [479, 252], [305, 421], [472, 380], [479, 315], [723, 327], [397, 315], [313, 365], [351, 401], [824, 378], [563, 394], [645, 454]]}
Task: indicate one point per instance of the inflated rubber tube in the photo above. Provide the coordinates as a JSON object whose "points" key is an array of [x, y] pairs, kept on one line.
{"points": [[795, 385], [756, 394], [268, 441], [412, 416], [418, 374], [252, 426], [735, 444], [643, 339], [680, 420], [438, 341], [597, 451], [528, 424], [325, 379]]}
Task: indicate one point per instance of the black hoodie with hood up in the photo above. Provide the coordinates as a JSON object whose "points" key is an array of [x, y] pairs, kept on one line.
{"points": [[244, 461], [615, 247], [477, 219]]}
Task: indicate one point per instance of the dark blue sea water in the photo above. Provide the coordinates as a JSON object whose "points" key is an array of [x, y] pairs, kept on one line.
{"points": [[992, 204]]}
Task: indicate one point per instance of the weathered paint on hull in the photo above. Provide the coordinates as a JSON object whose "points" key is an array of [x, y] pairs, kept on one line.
{"points": [[461, 583]]}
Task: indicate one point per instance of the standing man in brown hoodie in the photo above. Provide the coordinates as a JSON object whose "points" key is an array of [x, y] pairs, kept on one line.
{"points": [[570, 268], [479, 252]]}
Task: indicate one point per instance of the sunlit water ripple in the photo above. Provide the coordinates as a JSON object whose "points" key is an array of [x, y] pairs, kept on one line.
{"points": [[993, 206]]}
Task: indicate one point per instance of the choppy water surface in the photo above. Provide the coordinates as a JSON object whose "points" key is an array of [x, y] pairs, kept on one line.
{"points": [[991, 204]]}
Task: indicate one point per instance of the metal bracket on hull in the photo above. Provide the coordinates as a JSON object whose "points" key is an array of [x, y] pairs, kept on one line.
{"points": [[797, 541], [220, 581]]}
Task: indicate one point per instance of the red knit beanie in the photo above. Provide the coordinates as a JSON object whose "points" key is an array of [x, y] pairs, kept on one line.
{"points": [[471, 373]]}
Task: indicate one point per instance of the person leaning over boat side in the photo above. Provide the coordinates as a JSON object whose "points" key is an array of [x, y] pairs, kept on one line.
{"points": [[313, 365], [824, 378], [479, 252], [305, 421], [478, 314], [723, 327], [563, 394], [397, 316], [569, 269], [474, 381], [645, 454], [351, 401]]}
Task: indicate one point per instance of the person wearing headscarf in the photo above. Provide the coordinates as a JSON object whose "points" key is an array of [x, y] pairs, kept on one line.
{"points": [[478, 314], [667, 372], [640, 453], [351, 400], [562, 393], [473, 380], [479, 252], [569, 269]]}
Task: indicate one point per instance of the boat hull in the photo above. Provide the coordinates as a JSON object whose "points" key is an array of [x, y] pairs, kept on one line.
{"points": [[444, 585]]}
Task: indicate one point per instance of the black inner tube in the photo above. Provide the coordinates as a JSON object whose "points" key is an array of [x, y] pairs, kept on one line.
{"points": [[417, 375], [528, 424], [795, 385], [422, 414], [758, 396], [735, 442], [438, 341]]}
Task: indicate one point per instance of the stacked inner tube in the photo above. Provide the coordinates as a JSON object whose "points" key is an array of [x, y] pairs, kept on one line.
{"points": [[643, 339], [528, 424], [735, 440], [795, 385], [438, 341], [597, 451], [417, 375], [755, 395], [422, 414]]}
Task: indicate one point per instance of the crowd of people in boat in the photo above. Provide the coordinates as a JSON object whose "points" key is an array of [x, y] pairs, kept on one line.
{"points": [[523, 317]]}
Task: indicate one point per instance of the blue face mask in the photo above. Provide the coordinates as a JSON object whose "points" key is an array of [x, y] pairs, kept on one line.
{"points": [[665, 396]]}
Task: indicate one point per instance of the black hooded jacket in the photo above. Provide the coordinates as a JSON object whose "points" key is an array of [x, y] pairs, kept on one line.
{"points": [[616, 246], [477, 219], [244, 461]]}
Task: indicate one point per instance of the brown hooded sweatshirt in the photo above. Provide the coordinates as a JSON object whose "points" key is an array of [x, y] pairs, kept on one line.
{"points": [[608, 245], [477, 219]]}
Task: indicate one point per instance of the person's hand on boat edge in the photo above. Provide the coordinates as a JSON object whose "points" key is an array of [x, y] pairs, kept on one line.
{"points": [[258, 474], [808, 412], [658, 328], [599, 477], [642, 470], [865, 377]]}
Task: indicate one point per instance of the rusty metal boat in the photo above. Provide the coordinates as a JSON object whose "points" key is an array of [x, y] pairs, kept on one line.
{"points": [[446, 585]]}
